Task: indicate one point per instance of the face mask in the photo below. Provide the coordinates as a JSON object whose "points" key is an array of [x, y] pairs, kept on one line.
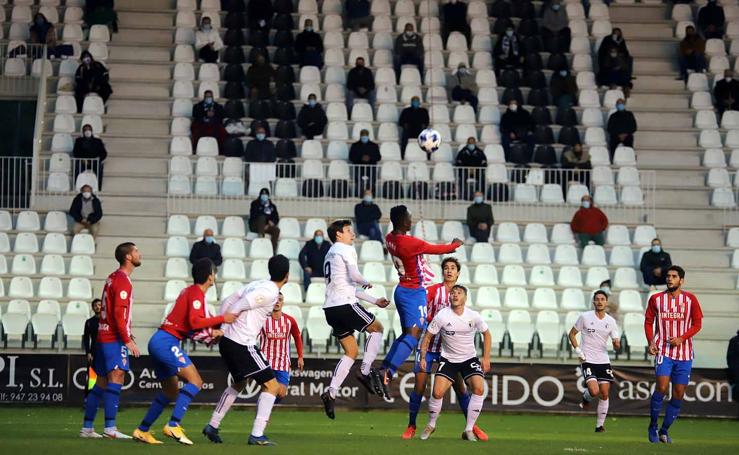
{"points": [[207, 28], [87, 60], [509, 33], [367, 199], [263, 197], [210, 239], [309, 29], [462, 70], [555, 7], [261, 136], [620, 107], [513, 107], [606, 289], [208, 100], [364, 139], [563, 73], [586, 204], [409, 33], [470, 147], [87, 195], [318, 239], [727, 78], [614, 54], [615, 37], [312, 103], [87, 133], [478, 199], [656, 248], [415, 104]]}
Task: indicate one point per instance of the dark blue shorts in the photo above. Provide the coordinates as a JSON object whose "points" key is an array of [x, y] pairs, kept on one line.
{"points": [[109, 357], [677, 370], [431, 357], [168, 356], [283, 377], [411, 306]]}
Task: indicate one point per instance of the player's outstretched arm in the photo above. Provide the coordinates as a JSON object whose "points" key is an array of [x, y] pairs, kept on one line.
{"points": [[444, 248], [487, 341]]}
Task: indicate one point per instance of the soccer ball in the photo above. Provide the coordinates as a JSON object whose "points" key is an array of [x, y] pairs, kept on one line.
{"points": [[429, 140]]}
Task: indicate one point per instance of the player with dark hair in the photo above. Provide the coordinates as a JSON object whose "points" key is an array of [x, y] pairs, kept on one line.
{"points": [[90, 340], [275, 345], [410, 295], [678, 317], [597, 328], [188, 315], [437, 298], [114, 342], [239, 348]]}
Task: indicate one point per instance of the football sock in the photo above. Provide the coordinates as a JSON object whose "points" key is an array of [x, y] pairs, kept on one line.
{"points": [[671, 413], [371, 348], [111, 399], [434, 410], [464, 402], [340, 373], [474, 411], [224, 404], [406, 345], [414, 405], [186, 395], [587, 396], [91, 406], [264, 409], [155, 410], [655, 407], [602, 413], [390, 353]]}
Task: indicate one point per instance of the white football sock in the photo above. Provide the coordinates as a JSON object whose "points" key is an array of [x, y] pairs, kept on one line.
{"points": [[264, 409], [371, 348], [474, 408], [435, 410], [602, 413], [224, 404], [340, 373]]}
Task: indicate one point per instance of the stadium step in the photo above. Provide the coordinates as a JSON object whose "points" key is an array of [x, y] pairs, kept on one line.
{"points": [[137, 71], [153, 19], [140, 109], [661, 101], [149, 5], [637, 13], [144, 36], [658, 158], [140, 53], [655, 120], [676, 139]]}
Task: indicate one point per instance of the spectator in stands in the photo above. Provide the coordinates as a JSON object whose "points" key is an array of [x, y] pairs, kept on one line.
{"points": [[364, 155], [516, 126], [711, 20], [88, 148], [576, 158], [311, 257], [726, 93], [413, 120], [263, 217], [90, 334], [309, 46], [555, 30], [563, 88], [471, 156], [312, 119], [408, 50], [207, 120], [44, 32], [91, 77], [621, 127], [360, 83], [480, 218], [589, 223], [259, 14], [101, 12], [692, 54], [454, 18], [259, 149], [358, 14], [86, 211], [615, 68], [207, 41], [732, 361], [259, 76], [367, 215], [654, 265], [206, 248], [507, 51], [463, 86]]}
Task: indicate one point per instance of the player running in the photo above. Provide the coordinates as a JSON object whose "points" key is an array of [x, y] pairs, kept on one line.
{"points": [[275, 342], [457, 326], [678, 317], [345, 315], [437, 297], [115, 341], [596, 327], [410, 295], [189, 314], [239, 348]]}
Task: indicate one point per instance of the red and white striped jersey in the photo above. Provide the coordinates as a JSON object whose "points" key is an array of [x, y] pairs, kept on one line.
{"points": [[678, 316], [437, 298], [275, 341]]}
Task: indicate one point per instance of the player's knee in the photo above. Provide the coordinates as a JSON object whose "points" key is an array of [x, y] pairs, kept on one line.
{"points": [[282, 392], [116, 376], [197, 382], [477, 389], [376, 326], [272, 387], [603, 395], [438, 395]]}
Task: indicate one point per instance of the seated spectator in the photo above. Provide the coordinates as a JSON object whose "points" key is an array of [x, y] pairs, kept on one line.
{"points": [[259, 78], [480, 218], [206, 248], [654, 265], [86, 211], [259, 14], [311, 257], [471, 156], [711, 20], [516, 126], [207, 120], [367, 215], [360, 83], [364, 155], [259, 149], [615, 68], [91, 77], [576, 158], [463, 86], [309, 46], [726, 93], [507, 51], [263, 217], [555, 30], [358, 14], [589, 223], [563, 88], [454, 19], [44, 32], [621, 127], [101, 12], [207, 41], [408, 50], [88, 147], [312, 119], [413, 120], [692, 54]]}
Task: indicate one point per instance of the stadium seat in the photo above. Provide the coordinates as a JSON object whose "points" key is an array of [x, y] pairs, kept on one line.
{"points": [[51, 264], [508, 232], [482, 253], [426, 229], [549, 330], [79, 289], [520, 328], [177, 268], [177, 246], [233, 269], [593, 255], [618, 235], [261, 248], [26, 242], [82, 244], [178, 225], [50, 287], [513, 275], [644, 234], [629, 300], [312, 225], [23, 264], [315, 294], [573, 299], [233, 226], [595, 276], [318, 331], [622, 256], [510, 253], [625, 278], [173, 288], [289, 248], [538, 253], [516, 297], [570, 277], [487, 297], [634, 332], [374, 272], [541, 275], [566, 255], [28, 221], [15, 320], [371, 250]]}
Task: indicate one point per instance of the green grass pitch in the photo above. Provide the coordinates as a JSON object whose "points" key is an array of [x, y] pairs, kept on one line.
{"points": [[54, 431]]}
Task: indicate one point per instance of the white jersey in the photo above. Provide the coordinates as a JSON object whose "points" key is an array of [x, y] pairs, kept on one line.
{"points": [[457, 333], [342, 275], [595, 334], [254, 303]]}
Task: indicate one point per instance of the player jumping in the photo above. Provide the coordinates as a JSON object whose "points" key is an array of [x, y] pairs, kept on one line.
{"points": [[437, 297], [457, 326], [410, 295], [345, 315], [171, 364], [275, 341], [115, 341], [239, 348], [678, 317], [596, 327]]}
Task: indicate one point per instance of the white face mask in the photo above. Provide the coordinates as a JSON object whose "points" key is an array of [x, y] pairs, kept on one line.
{"points": [[728, 78], [87, 133], [87, 195], [586, 204], [513, 107]]}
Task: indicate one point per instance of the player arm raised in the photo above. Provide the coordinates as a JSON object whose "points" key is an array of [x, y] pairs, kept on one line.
{"points": [[356, 276], [444, 248]]}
